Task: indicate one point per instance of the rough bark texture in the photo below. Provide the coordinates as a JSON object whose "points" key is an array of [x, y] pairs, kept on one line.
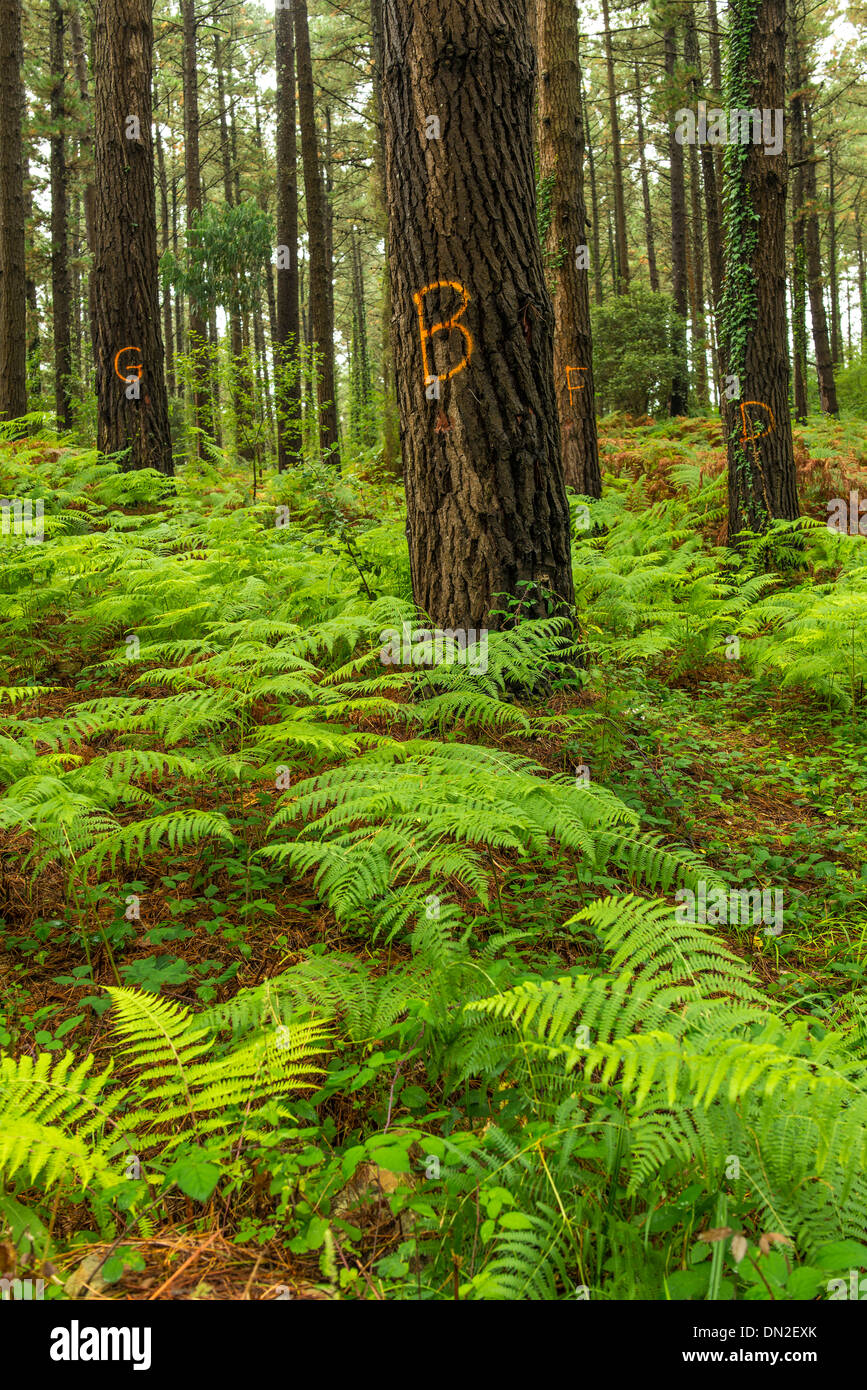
{"points": [[317, 235], [561, 160], [761, 473], [487, 516], [680, 384], [645, 185], [125, 262], [799, 277], [13, 288], [287, 392], [61, 282]]}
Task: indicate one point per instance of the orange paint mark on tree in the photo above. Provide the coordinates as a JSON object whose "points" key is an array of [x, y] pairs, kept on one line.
{"points": [[444, 327], [570, 387], [746, 421], [136, 367]]}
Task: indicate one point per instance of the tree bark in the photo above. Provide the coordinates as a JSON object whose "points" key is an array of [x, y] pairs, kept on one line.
{"points": [[61, 285], [799, 277], [561, 160], [692, 58], [621, 275], [287, 388], [390, 428], [79, 60], [594, 202], [645, 185], [198, 321], [168, 334], [761, 466], [487, 516], [129, 344], [836, 336], [680, 385], [815, 286], [322, 328], [13, 286]]}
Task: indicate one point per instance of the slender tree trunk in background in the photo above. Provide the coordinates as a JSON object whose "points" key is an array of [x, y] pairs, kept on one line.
{"points": [[717, 92], [214, 375], [815, 285], [862, 275], [836, 337], [328, 184], [561, 162], [179, 300], [362, 426], [680, 384], [594, 203], [168, 334], [692, 58], [287, 381], [131, 389], [33, 333], [198, 323], [390, 427], [320, 294], [799, 272], [612, 251], [761, 467], [621, 277], [79, 60], [487, 515], [75, 280], [238, 374], [13, 275], [645, 185], [61, 286]]}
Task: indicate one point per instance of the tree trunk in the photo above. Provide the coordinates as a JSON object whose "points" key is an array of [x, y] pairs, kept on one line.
{"points": [[287, 389], [621, 275], [320, 294], [131, 389], [862, 278], [198, 321], [390, 428], [561, 160], [645, 185], [79, 60], [836, 336], [761, 466], [168, 334], [33, 332], [13, 277], [692, 58], [815, 286], [799, 276], [680, 385], [61, 286], [487, 516], [594, 203], [238, 377]]}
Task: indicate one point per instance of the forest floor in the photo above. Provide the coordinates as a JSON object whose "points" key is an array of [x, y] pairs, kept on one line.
{"points": [[180, 660]]}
